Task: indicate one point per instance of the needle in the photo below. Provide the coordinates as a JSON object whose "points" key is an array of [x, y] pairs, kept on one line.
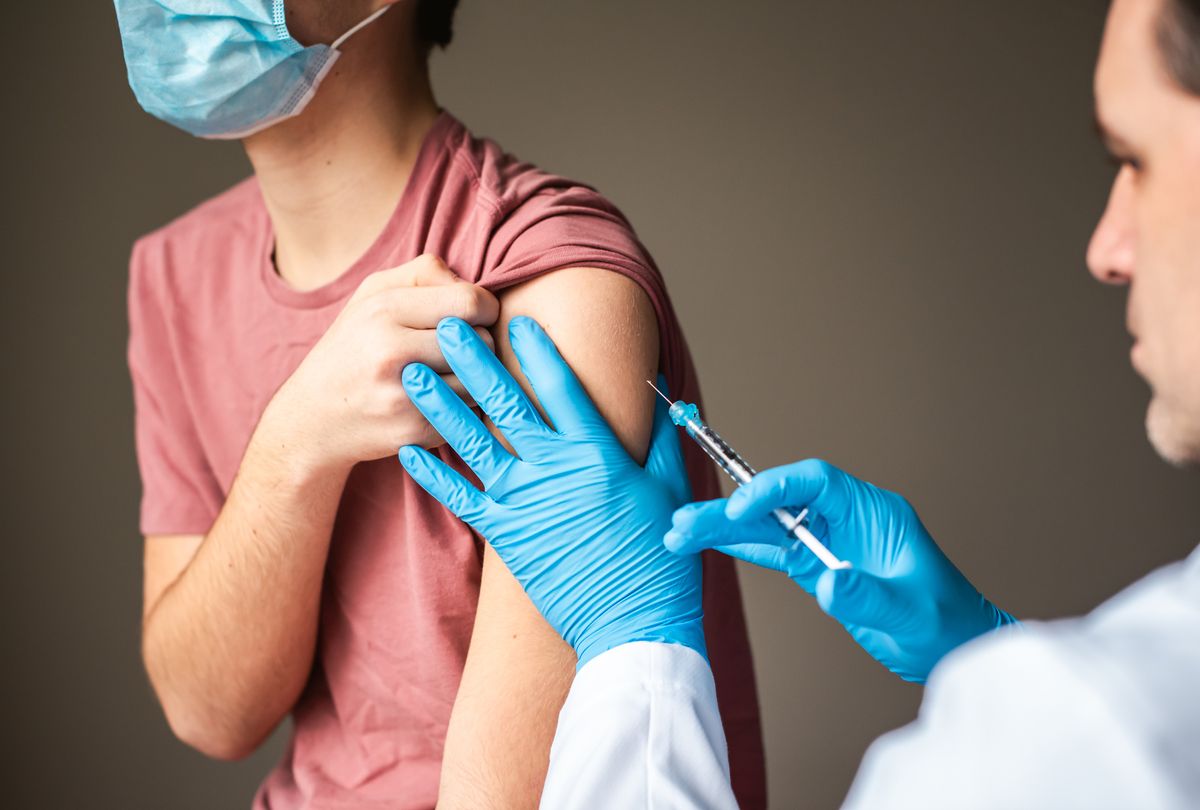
{"points": [[795, 523], [660, 393]]}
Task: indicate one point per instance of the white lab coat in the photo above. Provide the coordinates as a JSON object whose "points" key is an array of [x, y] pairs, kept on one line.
{"points": [[1097, 712]]}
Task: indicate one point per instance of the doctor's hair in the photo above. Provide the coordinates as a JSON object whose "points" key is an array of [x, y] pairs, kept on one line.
{"points": [[1178, 37], [435, 22]]}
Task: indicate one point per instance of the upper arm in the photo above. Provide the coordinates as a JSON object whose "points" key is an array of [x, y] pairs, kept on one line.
{"points": [[518, 669], [180, 492], [604, 325]]}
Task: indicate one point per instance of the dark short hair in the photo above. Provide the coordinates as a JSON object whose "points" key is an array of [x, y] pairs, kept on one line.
{"points": [[1179, 40], [435, 22]]}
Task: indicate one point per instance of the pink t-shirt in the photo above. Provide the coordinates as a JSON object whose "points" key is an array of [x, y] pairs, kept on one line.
{"points": [[214, 331]]}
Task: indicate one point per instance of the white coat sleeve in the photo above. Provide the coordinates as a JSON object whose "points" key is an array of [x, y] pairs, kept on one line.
{"points": [[640, 729], [1097, 712]]}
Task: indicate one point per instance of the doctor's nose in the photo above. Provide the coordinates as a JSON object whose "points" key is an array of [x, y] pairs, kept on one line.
{"points": [[1111, 251]]}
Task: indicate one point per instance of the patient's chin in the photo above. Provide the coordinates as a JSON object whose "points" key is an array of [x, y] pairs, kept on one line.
{"points": [[1175, 435]]}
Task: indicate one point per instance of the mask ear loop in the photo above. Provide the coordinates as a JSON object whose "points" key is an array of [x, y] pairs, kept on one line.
{"points": [[303, 95], [337, 43]]}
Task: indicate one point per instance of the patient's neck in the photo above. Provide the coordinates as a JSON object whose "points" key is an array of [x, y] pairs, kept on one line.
{"points": [[331, 177]]}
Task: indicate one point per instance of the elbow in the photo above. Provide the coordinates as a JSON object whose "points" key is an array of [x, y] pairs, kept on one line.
{"points": [[220, 728], [215, 712], [211, 736]]}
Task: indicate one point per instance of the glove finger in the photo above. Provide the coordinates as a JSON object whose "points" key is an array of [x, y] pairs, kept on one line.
{"points": [[457, 423], [558, 390], [492, 387], [802, 566], [810, 483], [855, 597], [700, 526], [763, 555], [664, 461], [703, 525], [760, 554], [446, 485]]}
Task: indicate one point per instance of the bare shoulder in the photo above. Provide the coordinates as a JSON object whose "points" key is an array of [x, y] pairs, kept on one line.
{"points": [[583, 297], [604, 325]]}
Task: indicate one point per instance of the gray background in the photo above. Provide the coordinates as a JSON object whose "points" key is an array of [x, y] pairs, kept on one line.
{"points": [[872, 217]]}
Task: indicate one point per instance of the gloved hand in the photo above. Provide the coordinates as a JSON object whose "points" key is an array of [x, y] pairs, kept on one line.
{"points": [[577, 521], [903, 601]]}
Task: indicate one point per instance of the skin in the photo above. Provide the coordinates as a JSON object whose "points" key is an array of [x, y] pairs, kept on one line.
{"points": [[230, 619], [518, 670], [1148, 238], [227, 654]]}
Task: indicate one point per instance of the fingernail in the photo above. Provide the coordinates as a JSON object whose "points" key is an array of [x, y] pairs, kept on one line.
{"points": [[452, 328], [735, 506], [825, 588], [672, 540], [521, 326], [414, 377], [680, 518], [407, 456]]}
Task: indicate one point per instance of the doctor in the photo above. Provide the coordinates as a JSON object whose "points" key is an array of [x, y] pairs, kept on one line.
{"points": [[1099, 711]]}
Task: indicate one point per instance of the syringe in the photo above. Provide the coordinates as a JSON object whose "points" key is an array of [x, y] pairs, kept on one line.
{"points": [[687, 416]]}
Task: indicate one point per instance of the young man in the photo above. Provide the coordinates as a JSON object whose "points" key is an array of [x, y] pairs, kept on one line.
{"points": [[287, 568], [1096, 712]]}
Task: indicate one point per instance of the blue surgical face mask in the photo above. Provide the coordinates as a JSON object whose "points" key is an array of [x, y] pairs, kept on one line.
{"points": [[220, 68]]}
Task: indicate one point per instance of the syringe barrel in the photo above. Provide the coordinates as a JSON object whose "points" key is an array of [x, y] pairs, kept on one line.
{"points": [[720, 452], [794, 523], [740, 471]]}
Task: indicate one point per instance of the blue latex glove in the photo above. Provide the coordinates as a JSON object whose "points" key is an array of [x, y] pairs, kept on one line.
{"points": [[577, 520], [903, 601]]}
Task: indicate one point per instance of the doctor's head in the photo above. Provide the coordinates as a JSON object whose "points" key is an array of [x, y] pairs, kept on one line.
{"points": [[1147, 86]]}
